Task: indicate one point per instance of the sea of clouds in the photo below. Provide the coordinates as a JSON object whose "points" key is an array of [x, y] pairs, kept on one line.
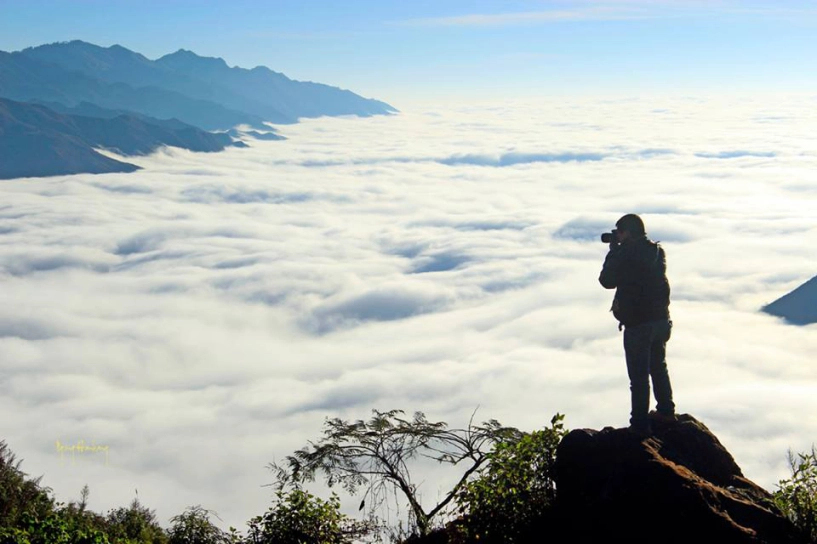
{"points": [[203, 316]]}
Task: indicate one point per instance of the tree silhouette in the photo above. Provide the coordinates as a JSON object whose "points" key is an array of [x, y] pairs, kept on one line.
{"points": [[374, 455]]}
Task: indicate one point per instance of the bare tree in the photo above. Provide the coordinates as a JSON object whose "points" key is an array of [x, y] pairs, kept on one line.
{"points": [[83, 498], [374, 455]]}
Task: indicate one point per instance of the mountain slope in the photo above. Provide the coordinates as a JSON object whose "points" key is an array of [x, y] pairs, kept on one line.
{"points": [[37, 154], [295, 98], [36, 141], [798, 307]]}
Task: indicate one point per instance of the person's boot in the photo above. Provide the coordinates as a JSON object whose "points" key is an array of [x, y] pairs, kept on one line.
{"points": [[641, 428], [663, 417]]}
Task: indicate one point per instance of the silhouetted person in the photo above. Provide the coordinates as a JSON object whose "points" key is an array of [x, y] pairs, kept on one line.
{"points": [[636, 268]]}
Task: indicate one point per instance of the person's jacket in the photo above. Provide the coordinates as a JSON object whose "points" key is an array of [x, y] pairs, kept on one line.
{"points": [[637, 270]]}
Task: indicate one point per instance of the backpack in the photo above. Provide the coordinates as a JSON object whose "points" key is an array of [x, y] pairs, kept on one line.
{"points": [[636, 301]]}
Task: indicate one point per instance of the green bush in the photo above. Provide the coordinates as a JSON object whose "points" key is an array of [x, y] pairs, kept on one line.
{"points": [[135, 524], [67, 525], [194, 527], [298, 517], [797, 496], [64, 524], [28, 514], [12, 535], [20, 496], [514, 489]]}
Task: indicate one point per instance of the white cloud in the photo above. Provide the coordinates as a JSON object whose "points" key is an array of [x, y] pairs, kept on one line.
{"points": [[598, 13], [202, 316], [619, 10]]}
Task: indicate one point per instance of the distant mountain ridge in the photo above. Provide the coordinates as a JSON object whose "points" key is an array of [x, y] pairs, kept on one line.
{"points": [[258, 93], [26, 79], [83, 96]]}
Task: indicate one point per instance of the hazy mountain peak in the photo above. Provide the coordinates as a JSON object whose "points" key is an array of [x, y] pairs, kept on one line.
{"points": [[184, 58], [76, 44], [85, 57], [798, 307], [68, 43], [266, 70], [117, 47]]}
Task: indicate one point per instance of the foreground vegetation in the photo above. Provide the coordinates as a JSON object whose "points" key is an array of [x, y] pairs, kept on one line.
{"points": [[506, 487]]}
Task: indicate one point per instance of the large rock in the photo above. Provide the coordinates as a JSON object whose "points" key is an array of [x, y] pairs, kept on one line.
{"points": [[679, 485]]}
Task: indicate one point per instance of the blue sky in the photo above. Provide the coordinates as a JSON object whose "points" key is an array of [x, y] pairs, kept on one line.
{"points": [[426, 49]]}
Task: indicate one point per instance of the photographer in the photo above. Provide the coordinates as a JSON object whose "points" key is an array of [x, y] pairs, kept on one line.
{"points": [[636, 268]]}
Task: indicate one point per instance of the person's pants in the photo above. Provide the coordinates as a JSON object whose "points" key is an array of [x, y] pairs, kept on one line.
{"points": [[645, 347]]}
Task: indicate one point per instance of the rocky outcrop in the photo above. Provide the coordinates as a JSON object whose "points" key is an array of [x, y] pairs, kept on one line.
{"points": [[679, 485]]}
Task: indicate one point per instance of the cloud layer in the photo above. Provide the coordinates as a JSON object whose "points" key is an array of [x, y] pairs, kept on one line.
{"points": [[203, 316], [617, 10]]}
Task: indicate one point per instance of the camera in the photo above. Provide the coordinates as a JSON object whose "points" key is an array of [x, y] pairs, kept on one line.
{"points": [[610, 237]]}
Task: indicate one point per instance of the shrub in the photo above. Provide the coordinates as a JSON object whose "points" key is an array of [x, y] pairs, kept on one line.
{"points": [[298, 517], [135, 524], [194, 527], [797, 496], [28, 514], [19, 495], [66, 524], [514, 489]]}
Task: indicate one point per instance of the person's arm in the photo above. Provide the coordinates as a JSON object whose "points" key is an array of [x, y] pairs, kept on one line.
{"points": [[610, 275], [620, 266]]}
